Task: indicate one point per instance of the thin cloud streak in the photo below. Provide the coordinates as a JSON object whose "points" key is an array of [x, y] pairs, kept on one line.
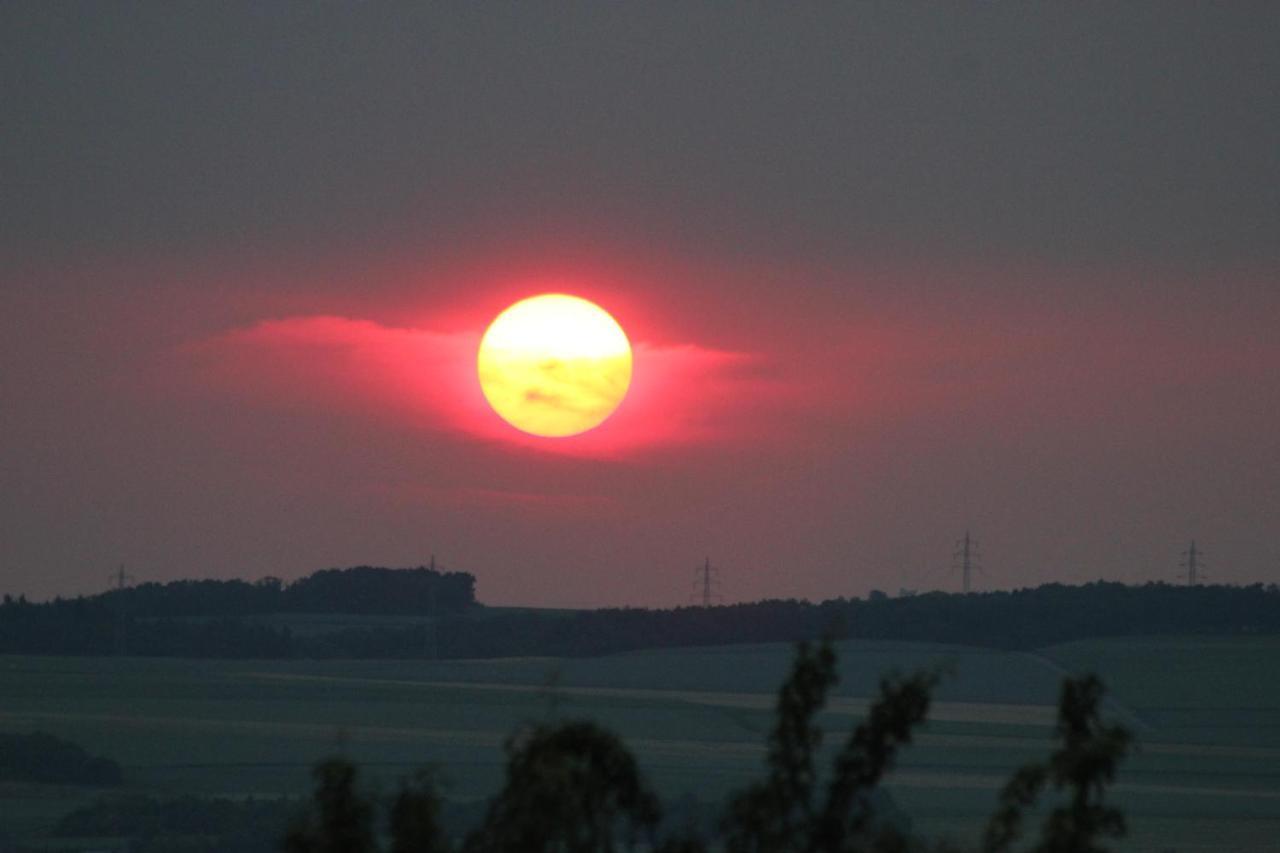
{"points": [[680, 394]]}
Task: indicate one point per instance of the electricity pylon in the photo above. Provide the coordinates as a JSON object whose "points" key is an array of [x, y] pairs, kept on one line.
{"points": [[432, 638], [120, 580], [1193, 565], [966, 557], [707, 584]]}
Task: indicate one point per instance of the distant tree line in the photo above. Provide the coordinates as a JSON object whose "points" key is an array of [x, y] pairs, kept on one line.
{"points": [[1021, 619], [44, 758], [181, 825], [363, 589], [219, 618]]}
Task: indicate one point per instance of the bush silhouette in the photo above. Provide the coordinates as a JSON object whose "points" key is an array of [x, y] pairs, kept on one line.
{"points": [[574, 787], [571, 787]]}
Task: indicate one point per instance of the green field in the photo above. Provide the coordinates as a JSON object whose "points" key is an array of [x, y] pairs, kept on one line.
{"points": [[1207, 712]]}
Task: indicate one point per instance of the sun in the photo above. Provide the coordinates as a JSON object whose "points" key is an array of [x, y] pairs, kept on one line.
{"points": [[554, 365]]}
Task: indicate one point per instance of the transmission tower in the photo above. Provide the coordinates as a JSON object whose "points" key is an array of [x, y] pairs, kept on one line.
{"points": [[1193, 564], [966, 558], [119, 579], [432, 649], [706, 584]]}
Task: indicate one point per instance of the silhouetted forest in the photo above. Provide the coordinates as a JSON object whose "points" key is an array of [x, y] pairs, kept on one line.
{"points": [[232, 619], [364, 589], [188, 824]]}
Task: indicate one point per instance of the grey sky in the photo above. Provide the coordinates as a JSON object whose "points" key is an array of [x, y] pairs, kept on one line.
{"points": [[1060, 132], [1007, 265]]}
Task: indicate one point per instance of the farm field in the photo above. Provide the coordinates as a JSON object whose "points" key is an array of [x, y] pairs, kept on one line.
{"points": [[1206, 711]]}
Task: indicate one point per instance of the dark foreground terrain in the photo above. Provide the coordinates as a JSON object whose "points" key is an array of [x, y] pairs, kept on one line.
{"points": [[1205, 710]]}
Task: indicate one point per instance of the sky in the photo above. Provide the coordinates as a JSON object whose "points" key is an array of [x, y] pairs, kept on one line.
{"points": [[891, 272]]}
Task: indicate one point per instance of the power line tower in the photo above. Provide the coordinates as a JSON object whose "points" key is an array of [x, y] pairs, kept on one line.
{"points": [[1193, 565], [432, 649], [120, 580], [966, 558], [706, 584]]}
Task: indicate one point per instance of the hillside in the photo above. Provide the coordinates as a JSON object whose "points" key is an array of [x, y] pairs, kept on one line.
{"points": [[417, 613]]}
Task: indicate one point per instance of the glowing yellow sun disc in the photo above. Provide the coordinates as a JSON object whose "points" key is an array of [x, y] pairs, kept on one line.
{"points": [[554, 365]]}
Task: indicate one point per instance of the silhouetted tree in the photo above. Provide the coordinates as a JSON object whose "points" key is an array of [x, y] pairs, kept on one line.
{"points": [[341, 818], [571, 787], [782, 813], [575, 788], [415, 817], [849, 820], [777, 814], [1082, 767]]}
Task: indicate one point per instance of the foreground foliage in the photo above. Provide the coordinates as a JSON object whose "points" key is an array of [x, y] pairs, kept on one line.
{"points": [[573, 787], [1081, 767]]}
